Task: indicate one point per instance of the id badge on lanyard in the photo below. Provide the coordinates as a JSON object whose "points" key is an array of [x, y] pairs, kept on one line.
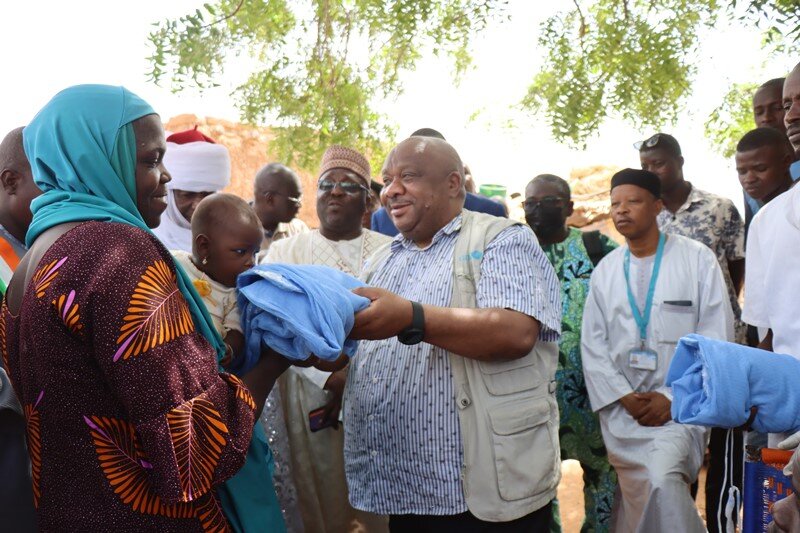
{"points": [[643, 358]]}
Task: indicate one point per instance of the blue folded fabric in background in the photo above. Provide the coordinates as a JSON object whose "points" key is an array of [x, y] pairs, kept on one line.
{"points": [[298, 311], [715, 383]]}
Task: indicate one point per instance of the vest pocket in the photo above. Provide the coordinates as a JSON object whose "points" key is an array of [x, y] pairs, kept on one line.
{"points": [[525, 448], [509, 377]]}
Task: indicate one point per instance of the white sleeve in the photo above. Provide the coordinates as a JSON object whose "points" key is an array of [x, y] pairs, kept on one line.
{"points": [[605, 383], [714, 313], [277, 252], [755, 297], [314, 375]]}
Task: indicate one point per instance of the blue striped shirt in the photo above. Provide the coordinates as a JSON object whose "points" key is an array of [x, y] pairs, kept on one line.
{"points": [[403, 450]]}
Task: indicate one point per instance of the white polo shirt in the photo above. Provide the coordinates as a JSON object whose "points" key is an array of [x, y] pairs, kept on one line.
{"points": [[772, 272]]}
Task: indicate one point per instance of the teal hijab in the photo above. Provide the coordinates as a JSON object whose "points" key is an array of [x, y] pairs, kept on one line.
{"points": [[82, 151]]}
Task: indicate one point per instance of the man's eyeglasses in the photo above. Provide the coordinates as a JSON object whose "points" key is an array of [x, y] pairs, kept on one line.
{"points": [[348, 187], [547, 201], [648, 143], [296, 201]]}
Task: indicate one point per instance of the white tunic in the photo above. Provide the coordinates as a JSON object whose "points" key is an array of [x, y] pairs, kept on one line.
{"points": [[772, 275], [655, 465]]}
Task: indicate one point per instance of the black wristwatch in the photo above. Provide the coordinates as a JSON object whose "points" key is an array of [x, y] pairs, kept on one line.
{"points": [[414, 333]]}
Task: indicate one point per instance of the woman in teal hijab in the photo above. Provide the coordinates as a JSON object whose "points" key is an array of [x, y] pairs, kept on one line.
{"points": [[111, 350]]}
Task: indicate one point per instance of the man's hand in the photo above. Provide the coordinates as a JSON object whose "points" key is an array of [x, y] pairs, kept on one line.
{"points": [[387, 315], [335, 385], [633, 404], [332, 366], [656, 410]]}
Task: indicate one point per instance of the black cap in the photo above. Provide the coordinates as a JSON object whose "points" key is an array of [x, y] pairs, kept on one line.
{"points": [[641, 178], [660, 140]]}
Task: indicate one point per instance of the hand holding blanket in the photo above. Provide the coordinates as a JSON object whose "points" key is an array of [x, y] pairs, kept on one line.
{"points": [[298, 311], [715, 383]]}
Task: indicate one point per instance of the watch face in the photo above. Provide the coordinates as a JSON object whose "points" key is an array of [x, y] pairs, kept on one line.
{"points": [[411, 336]]}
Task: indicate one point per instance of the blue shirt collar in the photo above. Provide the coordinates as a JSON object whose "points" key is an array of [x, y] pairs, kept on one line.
{"points": [[794, 170]]}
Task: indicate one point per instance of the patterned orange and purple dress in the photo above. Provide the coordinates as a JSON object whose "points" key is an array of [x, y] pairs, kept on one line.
{"points": [[130, 426]]}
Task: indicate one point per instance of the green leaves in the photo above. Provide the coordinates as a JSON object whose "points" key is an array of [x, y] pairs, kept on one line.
{"points": [[732, 119], [625, 58], [635, 60], [321, 65]]}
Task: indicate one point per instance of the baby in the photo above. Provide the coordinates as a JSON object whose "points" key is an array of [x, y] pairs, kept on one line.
{"points": [[226, 236]]}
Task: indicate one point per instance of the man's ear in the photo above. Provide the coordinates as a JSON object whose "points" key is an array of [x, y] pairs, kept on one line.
{"points": [[455, 182], [569, 208], [9, 180], [201, 246], [680, 161]]}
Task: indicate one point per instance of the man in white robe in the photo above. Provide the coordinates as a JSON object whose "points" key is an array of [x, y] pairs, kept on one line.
{"points": [[199, 167], [317, 457], [627, 352]]}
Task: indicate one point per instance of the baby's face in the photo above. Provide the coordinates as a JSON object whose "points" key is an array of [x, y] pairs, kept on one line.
{"points": [[232, 249]]}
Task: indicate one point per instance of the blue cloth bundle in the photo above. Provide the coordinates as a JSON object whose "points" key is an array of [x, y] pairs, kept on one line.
{"points": [[715, 383], [298, 311]]}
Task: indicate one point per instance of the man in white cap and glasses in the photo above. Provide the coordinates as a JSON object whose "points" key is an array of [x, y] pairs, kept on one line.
{"points": [[199, 167], [343, 193]]}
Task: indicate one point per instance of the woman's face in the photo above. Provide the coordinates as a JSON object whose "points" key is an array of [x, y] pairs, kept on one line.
{"points": [[151, 176]]}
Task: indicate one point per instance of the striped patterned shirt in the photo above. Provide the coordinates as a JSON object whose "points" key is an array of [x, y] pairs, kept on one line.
{"points": [[403, 450]]}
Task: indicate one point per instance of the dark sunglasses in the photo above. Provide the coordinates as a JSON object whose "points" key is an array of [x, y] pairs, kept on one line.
{"points": [[547, 201], [348, 187]]}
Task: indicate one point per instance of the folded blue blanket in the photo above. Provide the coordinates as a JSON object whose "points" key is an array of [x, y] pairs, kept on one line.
{"points": [[298, 311], [715, 383]]}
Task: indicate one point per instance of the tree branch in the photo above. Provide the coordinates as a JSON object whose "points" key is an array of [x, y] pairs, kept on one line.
{"points": [[582, 30], [226, 17]]}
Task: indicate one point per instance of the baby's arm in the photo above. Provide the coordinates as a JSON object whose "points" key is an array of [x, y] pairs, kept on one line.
{"points": [[235, 341]]}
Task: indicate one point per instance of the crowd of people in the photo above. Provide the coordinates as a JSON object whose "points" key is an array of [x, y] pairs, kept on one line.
{"points": [[490, 351]]}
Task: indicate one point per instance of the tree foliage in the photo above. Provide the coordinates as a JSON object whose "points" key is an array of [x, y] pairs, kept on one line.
{"points": [[320, 65], [732, 119], [636, 59], [632, 58]]}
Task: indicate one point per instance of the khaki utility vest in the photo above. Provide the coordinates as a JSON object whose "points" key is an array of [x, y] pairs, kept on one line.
{"points": [[507, 410]]}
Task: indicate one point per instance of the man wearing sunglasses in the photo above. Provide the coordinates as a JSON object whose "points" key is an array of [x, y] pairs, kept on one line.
{"points": [[277, 199], [343, 192], [574, 255], [715, 222]]}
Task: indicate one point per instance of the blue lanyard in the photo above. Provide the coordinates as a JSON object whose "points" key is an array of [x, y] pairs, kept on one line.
{"points": [[642, 321]]}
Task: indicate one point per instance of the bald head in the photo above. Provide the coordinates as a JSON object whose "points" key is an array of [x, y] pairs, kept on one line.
{"points": [[276, 176], [219, 211], [423, 186], [791, 103], [17, 189], [440, 156], [226, 236], [277, 195], [12, 153]]}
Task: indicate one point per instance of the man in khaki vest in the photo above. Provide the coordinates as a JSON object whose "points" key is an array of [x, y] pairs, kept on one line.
{"points": [[451, 421]]}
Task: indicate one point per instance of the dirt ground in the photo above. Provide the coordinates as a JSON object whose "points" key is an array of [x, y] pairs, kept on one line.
{"points": [[570, 496]]}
